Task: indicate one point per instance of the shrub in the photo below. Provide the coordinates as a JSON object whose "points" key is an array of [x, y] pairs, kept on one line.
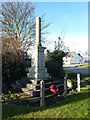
{"points": [[12, 72], [54, 63], [13, 63]]}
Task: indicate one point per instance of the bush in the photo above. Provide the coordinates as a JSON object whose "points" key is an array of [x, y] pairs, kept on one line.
{"points": [[54, 63], [12, 72], [13, 61]]}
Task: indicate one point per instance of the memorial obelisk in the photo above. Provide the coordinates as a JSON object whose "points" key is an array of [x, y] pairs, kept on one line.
{"points": [[38, 69]]}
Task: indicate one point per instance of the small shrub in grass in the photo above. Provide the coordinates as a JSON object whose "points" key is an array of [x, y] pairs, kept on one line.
{"points": [[10, 97]]}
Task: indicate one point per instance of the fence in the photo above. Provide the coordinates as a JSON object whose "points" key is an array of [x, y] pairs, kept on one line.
{"points": [[42, 91]]}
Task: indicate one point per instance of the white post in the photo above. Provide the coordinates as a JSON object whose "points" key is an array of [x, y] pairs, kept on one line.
{"points": [[42, 94], [38, 31], [78, 82], [65, 86]]}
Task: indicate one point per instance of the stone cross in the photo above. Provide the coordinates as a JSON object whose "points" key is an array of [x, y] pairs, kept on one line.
{"points": [[38, 31], [78, 82]]}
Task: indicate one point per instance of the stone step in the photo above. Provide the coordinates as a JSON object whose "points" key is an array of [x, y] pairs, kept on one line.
{"points": [[38, 81], [31, 92], [47, 85], [33, 86], [36, 93]]}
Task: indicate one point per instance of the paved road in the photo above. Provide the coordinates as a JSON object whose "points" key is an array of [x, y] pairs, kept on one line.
{"points": [[77, 70]]}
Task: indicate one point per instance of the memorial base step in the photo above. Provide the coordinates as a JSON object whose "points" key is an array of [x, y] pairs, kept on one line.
{"points": [[36, 93]]}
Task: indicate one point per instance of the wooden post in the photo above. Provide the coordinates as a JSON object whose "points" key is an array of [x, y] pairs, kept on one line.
{"points": [[0, 108], [42, 94], [65, 86], [78, 82]]}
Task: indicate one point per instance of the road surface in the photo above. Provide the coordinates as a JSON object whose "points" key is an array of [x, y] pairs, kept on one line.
{"points": [[72, 68]]}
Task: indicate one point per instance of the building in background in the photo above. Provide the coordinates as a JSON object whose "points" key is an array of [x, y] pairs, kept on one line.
{"points": [[73, 58]]}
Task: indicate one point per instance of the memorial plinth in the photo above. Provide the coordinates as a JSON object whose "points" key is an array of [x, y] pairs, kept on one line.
{"points": [[38, 69]]}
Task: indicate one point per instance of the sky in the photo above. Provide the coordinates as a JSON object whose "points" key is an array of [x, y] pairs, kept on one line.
{"points": [[69, 20]]}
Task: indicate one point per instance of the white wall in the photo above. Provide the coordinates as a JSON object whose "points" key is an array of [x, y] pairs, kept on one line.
{"points": [[74, 58], [66, 60]]}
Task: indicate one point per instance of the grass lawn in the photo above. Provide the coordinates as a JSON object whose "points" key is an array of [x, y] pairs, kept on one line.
{"points": [[74, 106], [72, 75], [86, 66]]}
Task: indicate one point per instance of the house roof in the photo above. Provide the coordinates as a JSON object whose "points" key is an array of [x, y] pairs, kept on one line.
{"points": [[69, 53], [79, 54]]}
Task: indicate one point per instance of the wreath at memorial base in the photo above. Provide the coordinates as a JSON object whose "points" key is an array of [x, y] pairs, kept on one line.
{"points": [[54, 88]]}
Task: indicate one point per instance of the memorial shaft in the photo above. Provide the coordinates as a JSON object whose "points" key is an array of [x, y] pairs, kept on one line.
{"points": [[38, 31]]}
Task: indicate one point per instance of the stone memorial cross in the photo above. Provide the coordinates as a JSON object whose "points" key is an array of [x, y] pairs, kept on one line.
{"points": [[38, 69]]}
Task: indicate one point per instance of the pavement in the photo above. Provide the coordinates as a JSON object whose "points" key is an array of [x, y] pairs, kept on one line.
{"points": [[74, 69]]}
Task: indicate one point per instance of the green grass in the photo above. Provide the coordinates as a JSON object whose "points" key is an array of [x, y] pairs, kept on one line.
{"points": [[74, 106], [87, 66], [72, 75]]}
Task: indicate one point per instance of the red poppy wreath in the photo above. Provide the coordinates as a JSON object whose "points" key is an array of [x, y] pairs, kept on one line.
{"points": [[54, 88]]}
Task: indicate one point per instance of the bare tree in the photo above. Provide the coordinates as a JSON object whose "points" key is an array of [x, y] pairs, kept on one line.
{"points": [[19, 18], [59, 45]]}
